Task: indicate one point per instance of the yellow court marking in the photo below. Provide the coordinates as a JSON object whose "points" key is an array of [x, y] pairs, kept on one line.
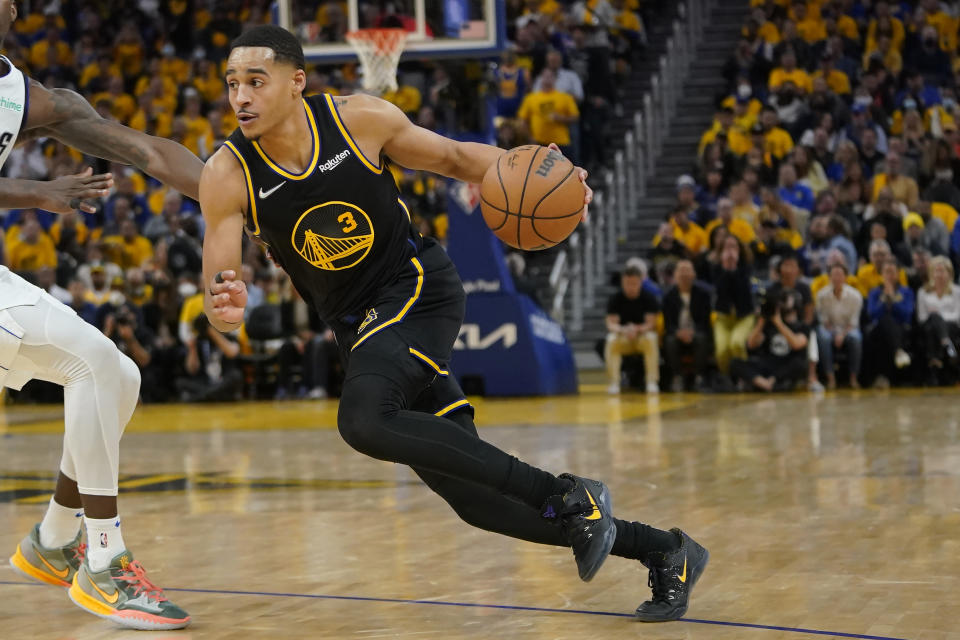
{"points": [[586, 409]]}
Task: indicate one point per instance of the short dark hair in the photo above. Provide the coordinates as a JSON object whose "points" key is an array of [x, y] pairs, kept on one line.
{"points": [[285, 46]]}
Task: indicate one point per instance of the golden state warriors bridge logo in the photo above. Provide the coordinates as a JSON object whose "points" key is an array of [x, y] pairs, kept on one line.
{"points": [[333, 235]]}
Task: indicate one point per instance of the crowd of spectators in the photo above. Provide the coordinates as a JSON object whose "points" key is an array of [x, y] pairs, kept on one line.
{"points": [[820, 218]]}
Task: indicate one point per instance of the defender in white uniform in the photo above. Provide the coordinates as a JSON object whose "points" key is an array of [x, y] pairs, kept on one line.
{"points": [[44, 339]]}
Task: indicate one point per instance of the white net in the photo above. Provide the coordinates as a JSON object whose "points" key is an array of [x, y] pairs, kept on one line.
{"points": [[379, 52]]}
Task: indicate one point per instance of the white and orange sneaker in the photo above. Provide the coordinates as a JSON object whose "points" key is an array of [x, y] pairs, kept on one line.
{"points": [[122, 594], [55, 566]]}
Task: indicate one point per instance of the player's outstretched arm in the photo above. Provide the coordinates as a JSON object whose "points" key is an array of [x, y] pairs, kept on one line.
{"points": [[68, 117], [62, 195], [418, 148], [222, 198]]}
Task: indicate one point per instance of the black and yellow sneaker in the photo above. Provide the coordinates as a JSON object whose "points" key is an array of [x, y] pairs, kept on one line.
{"points": [[584, 514], [672, 576]]}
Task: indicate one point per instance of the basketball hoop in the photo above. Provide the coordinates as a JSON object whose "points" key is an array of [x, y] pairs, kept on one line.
{"points": [[379, 52]]}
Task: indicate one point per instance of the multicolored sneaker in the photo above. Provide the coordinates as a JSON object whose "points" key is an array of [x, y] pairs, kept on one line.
{"points": [[123, 594], [52, 566]]}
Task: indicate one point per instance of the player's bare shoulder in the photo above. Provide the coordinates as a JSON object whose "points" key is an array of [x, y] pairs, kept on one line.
{"points": [[370, 118], [222, 183]]}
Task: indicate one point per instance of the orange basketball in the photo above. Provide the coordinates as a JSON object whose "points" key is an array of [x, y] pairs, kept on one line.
{"points": [[531, 198]]}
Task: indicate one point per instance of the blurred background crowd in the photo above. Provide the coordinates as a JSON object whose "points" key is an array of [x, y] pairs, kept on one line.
{"points": [[815, 239], [133, 268]]}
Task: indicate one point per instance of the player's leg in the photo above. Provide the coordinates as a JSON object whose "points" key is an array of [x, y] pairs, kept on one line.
{"points": [[492, 511], [101, 386]]}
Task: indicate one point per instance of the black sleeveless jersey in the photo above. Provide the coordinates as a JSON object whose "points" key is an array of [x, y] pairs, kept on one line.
{"points": [[339, 229]]}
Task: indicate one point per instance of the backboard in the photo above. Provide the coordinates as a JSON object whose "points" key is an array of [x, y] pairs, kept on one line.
{"points": [[437, 28]]}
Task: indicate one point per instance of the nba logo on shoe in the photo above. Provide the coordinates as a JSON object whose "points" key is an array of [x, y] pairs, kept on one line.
{"points": [[103, 539]]}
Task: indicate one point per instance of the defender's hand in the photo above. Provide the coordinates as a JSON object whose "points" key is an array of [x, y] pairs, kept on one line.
{"points": [[582, 174], [67, 193], [228, 296]]}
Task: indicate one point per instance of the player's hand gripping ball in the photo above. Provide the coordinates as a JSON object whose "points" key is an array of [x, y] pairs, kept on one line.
{"points": [[533, 198]]}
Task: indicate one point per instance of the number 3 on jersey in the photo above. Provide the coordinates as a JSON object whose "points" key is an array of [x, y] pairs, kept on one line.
{"points": [[346, 219]]}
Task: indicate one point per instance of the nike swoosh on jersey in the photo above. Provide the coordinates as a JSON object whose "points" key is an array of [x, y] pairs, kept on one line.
{"points": [[266, 194]]}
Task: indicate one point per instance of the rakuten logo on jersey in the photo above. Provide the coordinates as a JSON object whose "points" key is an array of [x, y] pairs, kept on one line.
{"points": [[335, 161]]}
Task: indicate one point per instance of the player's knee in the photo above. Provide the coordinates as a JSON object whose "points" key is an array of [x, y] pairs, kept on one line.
{"points": [[129, 376], [359, 418]]}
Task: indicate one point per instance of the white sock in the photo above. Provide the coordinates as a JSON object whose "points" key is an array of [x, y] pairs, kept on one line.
{"points": [[60, 525], [104, 542]]}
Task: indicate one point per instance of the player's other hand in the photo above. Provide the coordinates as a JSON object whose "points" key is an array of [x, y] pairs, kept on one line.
{"points": [[582, 174], [228, 297], [68, 193]]}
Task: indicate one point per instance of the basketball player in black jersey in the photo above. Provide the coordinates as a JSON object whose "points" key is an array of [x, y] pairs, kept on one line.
{"points": [[306, 178]]}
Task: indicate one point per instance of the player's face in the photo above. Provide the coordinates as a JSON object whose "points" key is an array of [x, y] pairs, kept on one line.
{"points": [[262, 91], [8, 13]]}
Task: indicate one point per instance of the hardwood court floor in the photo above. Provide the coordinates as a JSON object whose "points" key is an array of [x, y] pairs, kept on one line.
{"points": [[839, 514]]}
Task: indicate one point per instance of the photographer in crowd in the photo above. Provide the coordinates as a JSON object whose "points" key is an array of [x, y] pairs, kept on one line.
{"points": [[778, 346]]}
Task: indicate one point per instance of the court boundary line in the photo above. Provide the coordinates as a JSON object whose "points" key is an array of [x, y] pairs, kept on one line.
{"points": [[508, 607]]}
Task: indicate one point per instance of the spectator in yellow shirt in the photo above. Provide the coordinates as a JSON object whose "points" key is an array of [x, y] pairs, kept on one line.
{"points": [[903, 188], [869, 275], [837, 80], [549, 113], [743, 207], [810, 27], [884, 23], [737, 141], [776, 141], [148, 120], [788, 71], [129, 248], [741, 229], [122, 104], [69, 234], [34, 249], [886, 54], [50, 52], [96, 75], [199, 134]]}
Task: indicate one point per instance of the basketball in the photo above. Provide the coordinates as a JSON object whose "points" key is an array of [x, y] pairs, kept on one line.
{"points": [[532, 198]]}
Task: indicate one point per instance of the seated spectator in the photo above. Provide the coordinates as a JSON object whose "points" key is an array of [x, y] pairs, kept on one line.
{"points": [[890, 309], [889, 214], [904, 188], [128, 248], [919, 272], [742, 230], [309, 347], [869, 276], [80, 303], [838, 233], [733, 304], [809, 171], [837, 80], [915, 238], [686, 322], [838, 307], [938, 314], [33, 249], [744, 208], [709, 195], [70, 235], [834, 257], [814, 252], [723, 123], [549, 114], [929, 59], [666, 253], [797, 195], [213, 373], [778, 348], [632, 328], [776, 141], [936, 236], [792, 109], [788, 71]]}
